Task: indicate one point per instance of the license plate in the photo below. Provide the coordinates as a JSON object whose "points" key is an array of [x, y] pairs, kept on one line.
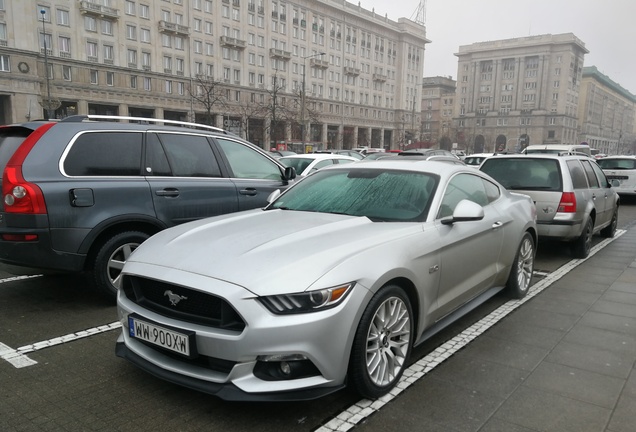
{"points": [[177, 341]]}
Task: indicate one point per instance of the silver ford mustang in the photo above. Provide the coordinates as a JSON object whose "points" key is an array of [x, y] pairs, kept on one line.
{"points": [[331, 284]]}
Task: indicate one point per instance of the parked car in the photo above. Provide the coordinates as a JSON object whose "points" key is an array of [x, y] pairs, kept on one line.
{"points": [[305, 164], [82, 193], [427, 152], [476, 159], [280, 153], [333, 283], [580, 149], [345, 152], [574, 199], [623, 170]]}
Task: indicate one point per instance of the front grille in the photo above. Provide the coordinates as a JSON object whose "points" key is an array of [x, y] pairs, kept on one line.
{"points": [[191, 305]]}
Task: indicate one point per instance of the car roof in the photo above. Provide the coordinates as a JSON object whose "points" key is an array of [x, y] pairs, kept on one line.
{"points": [[319, 156], [434, 166]]}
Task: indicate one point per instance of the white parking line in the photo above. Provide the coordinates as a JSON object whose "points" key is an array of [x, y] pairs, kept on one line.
{"points": [[18, 358], [362, 409]]}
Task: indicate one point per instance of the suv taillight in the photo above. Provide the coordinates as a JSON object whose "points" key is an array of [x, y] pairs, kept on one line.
{"points": [[20, 196], [568, 203]]}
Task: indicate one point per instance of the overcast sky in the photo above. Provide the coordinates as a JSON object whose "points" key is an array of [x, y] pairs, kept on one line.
{"points": [[606, 27]]}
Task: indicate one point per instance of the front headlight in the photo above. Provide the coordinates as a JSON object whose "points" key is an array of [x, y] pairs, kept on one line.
{"points": [[309, 301]]}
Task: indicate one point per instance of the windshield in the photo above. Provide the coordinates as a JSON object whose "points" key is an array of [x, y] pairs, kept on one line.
{"points": [[380, 195]]}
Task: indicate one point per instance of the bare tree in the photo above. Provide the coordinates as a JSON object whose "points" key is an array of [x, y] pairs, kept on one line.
{"points": [[208, 92], [249, 110], [278, 108]]}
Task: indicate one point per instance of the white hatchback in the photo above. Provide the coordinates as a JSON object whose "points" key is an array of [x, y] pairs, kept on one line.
{"points": [[623, 169], [305, 164]]}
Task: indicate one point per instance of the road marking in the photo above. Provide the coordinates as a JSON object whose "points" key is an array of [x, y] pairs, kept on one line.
{"points": [[364, 408], [18, 358], [18, 278]]}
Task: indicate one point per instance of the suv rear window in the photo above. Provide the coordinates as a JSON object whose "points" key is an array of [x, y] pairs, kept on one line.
{"points": [[617, 164], [524, 173], [105, 154], [10, 140]]}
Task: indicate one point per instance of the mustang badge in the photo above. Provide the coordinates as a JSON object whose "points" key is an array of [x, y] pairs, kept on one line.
{"points": [[174, 298]]}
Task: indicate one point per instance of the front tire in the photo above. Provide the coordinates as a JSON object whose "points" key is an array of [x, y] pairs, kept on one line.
{"points": [[112, 256], [582, 246], [382, 343], [522, 268]]}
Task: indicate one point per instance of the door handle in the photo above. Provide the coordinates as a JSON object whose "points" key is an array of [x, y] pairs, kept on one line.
{"points": [[168, 192], [497, 224], [248, 191]]}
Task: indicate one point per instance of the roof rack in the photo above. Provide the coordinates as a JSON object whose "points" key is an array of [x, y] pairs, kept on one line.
{"points": [[84, 117]]}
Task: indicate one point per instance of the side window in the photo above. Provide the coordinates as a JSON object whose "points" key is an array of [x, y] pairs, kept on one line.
{"points": [[463, 186], [492, 191], [105, 154], [248, 163], [599, 174], [579, 180], [589, 173], [156, 159], [322, 164], [189, 155]]}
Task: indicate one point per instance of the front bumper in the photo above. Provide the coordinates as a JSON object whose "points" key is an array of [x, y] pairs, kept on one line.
{"points": [[324, 338]]}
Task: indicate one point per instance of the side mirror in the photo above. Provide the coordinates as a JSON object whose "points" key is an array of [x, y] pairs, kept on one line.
{"points": [[465, 211], [290, 173]]}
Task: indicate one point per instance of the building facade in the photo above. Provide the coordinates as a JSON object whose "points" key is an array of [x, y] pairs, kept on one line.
{"points": [[324, 73], [517, 92], [607, 114], [438, 99]]}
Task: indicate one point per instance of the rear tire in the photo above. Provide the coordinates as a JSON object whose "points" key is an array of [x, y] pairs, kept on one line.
{"points": [[522, 268], [582, 246], [111, 257], [610, 230], [382, 343]]}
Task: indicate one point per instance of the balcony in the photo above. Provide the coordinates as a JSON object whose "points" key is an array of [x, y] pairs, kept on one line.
{"points": [[65, 54], [348, 70], [178, 29], [379, 77], [279, 54], [261, 10], [93, 9], [318, 63], [231, 42]]}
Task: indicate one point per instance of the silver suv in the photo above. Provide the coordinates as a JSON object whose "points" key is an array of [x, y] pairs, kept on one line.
{"points": [[573, 197], [79, 195]]}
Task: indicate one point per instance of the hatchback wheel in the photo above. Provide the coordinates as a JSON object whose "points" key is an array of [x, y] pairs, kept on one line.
{"points": [[582, 245], [610, 230], [382, 343], [112, 256], [522, 267]]}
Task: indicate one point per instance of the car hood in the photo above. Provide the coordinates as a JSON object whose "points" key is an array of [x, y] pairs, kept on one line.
{"points": [[266, 252]]}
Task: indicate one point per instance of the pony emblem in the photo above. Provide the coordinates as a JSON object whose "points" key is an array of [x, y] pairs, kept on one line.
{"points": [[174, 298]]}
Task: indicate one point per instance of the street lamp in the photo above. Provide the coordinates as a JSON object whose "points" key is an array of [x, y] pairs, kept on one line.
{"points": [[47, 104], [302, 96]]}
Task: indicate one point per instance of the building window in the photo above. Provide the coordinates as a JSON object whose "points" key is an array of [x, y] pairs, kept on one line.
{"points": [[91, 50], [110, 78], [63, 17], [4, 63], [147, 83], [144, 36], [67, 73], [129, 7], [144, 11], [131, 32], [90, 24], [109, 55], [168, 86], [94, 77], [133, 81]]}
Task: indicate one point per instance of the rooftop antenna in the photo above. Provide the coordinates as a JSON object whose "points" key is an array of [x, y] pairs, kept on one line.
{"points": [[419, 16]]}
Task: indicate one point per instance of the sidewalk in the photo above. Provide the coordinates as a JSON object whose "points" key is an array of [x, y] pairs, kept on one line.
{"points": [[563, 361]]}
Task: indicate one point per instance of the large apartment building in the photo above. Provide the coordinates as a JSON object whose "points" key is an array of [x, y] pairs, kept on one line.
{"points": [[323, 72], [515, 92], [607, 114]]}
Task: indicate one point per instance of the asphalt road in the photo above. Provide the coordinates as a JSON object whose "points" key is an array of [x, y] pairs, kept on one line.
{"points": [[68, 378]]}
